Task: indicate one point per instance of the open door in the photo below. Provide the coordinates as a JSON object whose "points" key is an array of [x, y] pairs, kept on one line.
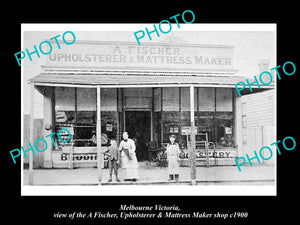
{"points": [[138, 126]]}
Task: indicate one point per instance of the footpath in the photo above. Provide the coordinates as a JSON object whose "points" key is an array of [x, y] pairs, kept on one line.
{"points": [[150, 174]]}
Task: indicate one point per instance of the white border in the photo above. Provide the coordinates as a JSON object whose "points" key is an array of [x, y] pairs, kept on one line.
{"points": [[22, 111], [137, 26], [150, 190]]}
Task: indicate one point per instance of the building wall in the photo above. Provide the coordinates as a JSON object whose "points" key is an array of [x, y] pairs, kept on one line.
{"points": [[38, 158], [257, 115]]}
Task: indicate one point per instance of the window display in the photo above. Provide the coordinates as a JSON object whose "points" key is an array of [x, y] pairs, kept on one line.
{"points": [[75, 108], [213, 115]]}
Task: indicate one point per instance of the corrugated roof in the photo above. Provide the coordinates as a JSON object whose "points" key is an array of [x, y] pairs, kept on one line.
{"points": [[133, 79]]}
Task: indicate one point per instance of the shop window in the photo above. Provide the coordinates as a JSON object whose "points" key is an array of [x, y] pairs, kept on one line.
{"points": [[213, 115], [75, 109], [224, 118], [64, 112], [85, 124], [205, 115]]}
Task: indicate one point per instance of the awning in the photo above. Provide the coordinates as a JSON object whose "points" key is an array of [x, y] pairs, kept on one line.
{"points": [[153, 79]]}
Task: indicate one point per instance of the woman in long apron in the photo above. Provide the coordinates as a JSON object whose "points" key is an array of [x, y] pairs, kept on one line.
{"points": [[173, 151], [128, 158]]}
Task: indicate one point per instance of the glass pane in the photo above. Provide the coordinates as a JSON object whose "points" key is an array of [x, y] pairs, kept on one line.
{"points": [[224, 99], [109, 123], [225, 129], [204, 122], [170, 125], [171, 99], [138, 102], [85, 136], [206, 99], [86, 99], [64, 99], [108, 99], [86, 117], [157, 99], [185, 99]]}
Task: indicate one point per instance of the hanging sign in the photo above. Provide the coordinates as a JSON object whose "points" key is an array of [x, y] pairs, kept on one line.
{"points": [[187, 130]]}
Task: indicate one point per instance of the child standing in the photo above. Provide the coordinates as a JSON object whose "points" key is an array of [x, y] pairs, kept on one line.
{"points": [[113, 159], [173, 151]]}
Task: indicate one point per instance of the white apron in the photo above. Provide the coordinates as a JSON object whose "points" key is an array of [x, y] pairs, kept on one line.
{"points": [[130, 166], [172, 154]]}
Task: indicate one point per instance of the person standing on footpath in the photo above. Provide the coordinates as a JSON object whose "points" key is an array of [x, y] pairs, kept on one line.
{"points": [[172, 152], [113, 159], [128, 158]]}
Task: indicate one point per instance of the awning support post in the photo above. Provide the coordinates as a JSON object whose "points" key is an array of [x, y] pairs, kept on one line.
{"points": [[192, 136], [98, 133], [31, 133]]}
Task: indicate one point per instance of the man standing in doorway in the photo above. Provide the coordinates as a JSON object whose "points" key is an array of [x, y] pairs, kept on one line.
{"points": [[128, 158]]}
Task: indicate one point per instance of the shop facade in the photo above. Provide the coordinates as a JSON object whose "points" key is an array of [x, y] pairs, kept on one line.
{"points": [[98, 90]]}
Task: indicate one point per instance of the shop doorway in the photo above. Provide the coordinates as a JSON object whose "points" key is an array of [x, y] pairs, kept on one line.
{"points": [[138, 126]]}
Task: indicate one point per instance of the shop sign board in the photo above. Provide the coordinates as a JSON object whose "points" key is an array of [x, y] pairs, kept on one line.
{"points": [[87, 157], [79, 154], [128, 55], [187, 130], [212, 154]]}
